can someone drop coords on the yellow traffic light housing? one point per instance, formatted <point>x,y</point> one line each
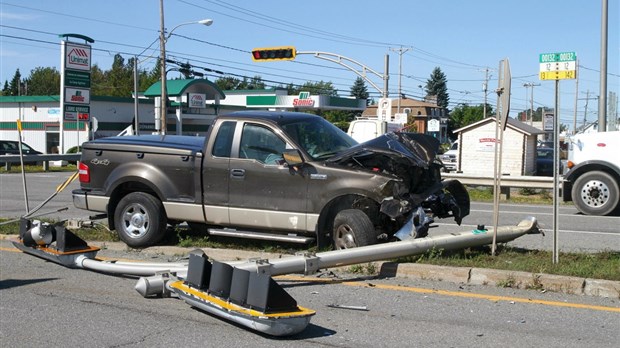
<point>273,53</point>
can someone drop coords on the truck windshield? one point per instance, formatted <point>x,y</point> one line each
<point>320,139</point>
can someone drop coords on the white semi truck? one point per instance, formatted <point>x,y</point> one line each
<point>592,180</point>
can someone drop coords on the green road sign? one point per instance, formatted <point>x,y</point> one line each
<point>75,78</point>
<point>558,57</point>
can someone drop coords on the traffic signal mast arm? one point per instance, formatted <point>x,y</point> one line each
<point>289,53</point>
<point>342,60</point>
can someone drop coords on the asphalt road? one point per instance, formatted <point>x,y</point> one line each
<point>576,232</point>
<point>44,304</point>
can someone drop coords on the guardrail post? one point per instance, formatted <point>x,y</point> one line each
<point>504,193</point>
<point>46,166</point>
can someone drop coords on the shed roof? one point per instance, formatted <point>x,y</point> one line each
<point>512,123</point>
<point>176,88</point>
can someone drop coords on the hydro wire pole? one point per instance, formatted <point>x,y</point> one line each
<point>400,52</point>
<point>163,38</point>
<point>161,125</point>
<point>135,98</point>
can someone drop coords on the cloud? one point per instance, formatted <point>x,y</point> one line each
<point>17,16</point>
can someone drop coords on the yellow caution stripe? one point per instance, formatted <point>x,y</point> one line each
<point>301,311</point>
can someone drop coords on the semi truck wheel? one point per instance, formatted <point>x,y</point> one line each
<point>595,193</point>
<point>352,228</point>
<point>140,220</point>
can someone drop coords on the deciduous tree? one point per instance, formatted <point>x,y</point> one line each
<point>43,81</point>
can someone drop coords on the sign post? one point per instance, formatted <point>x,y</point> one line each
<point>75,80</point>
<point>557,66</point>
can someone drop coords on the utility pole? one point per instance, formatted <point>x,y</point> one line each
<point>386,76</point>
<point>485,87</point>
<point>162,57</point>
<point>135,91</point>
<point>585,113</point>
<point>531,85</point>
<point>400,51</point>
<point>576,99</point>
<point>602,102</point>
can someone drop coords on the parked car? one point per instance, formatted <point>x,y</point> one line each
<point>544,161</point>
<point>11,147</point>
<point>545,144</point>
<point>450,158</point>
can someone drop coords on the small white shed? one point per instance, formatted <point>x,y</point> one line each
<point>477,148</point>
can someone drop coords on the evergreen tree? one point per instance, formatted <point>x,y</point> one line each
<point>119,78</point>
<point>359,89</point>
<point>15,84</point>
<point>98,84</point>
<point>436,85</point>
<point>5,89</point>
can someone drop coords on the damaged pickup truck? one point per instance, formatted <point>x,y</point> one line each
<point>282,176</point>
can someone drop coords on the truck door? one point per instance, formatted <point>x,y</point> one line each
<point>215,174</point>
<point>262,191</point>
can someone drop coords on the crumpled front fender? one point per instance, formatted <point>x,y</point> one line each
<point>461,204</point>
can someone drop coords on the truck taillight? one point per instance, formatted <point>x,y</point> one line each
<point>84,172</point>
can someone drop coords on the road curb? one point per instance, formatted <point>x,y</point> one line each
<point>504,278</point>
<point>459,275</point>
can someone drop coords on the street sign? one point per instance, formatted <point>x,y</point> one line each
<point>76,78</point>
<point>548,120</point>
<point>558,66</point>
<point>433,125</point>
<point>384,109</point>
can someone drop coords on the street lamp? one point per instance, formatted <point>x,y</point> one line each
<point>162,43</point>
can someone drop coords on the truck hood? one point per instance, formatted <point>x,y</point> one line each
<point>417,149</point>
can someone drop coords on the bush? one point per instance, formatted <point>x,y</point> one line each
<point>74,149</point>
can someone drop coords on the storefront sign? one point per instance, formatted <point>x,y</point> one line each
<point>304,100</point>
<point>196,100</point>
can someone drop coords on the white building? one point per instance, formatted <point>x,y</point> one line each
<point>43,127</point>
<point>477,148</point>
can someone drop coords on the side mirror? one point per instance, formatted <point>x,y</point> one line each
<point>293,158</point>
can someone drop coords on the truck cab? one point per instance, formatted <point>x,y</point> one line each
<point>592,178</point>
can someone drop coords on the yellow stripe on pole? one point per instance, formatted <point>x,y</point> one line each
<point>67,182</point>
<point>19,125</point>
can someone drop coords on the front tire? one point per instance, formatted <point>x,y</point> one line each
<point>352,228</point>
<point>140,220</point>
<point>595,193</point>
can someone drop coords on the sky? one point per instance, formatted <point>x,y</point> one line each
<point>465,39</point>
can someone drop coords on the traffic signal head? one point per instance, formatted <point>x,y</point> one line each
<point>273,53</point>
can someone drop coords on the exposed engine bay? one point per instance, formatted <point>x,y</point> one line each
<point>416,187</point>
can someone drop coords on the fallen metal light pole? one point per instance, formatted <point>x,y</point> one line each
<point>244,292</point>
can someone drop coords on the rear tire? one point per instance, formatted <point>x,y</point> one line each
<point>352,228</point>
<point>595,193</point>
<point>140,220</point>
